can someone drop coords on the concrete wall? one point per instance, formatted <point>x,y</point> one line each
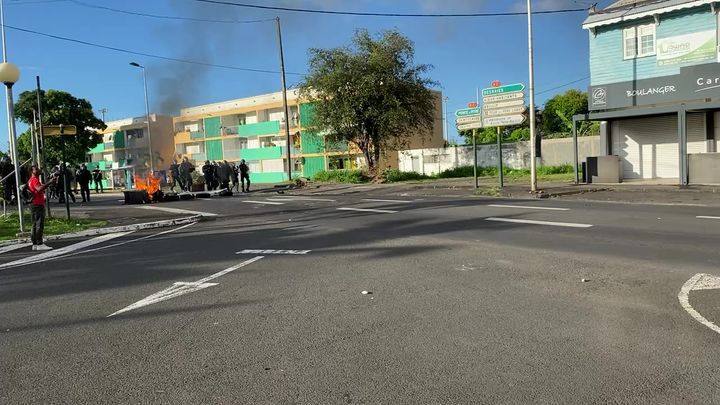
<point>704,168</point>
<point>515,155</point>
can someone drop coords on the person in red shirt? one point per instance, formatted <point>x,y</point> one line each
<point>37,208</point>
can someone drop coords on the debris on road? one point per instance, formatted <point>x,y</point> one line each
<point>366,292</point>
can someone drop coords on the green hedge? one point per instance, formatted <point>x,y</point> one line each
<point>341,176</point>
<point>467,171</point>
<point>395,175</point>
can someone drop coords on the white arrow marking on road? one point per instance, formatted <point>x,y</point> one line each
<point>368,210</point>
<point>272,252</point>
<point>42,257</point>
<point>182,288</point>
<point>178,210</point>
<point>699,281</point>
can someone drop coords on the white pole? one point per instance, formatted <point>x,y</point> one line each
<point>147,115</point>
<point>533,152</point>
<point>2,19</point>
<point>445,117</point>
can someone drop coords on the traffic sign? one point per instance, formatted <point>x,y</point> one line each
<point>468,118</point>
<point>55,130</point>
<point>504,97</point>
<point>509,88</point>
<point>472,125</point>
<point>506,111</point>
<point>503,120</point>
<point>503,104</point>
<point>467,111</point>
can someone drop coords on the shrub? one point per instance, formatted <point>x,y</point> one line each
<point>485,171</point>
<point>395,175</point>
<point>341,176</point>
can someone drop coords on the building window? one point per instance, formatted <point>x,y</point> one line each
<point>137,133</point>
<point>639,41</point>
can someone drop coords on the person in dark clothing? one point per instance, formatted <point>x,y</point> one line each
<point>224,175</point>
<point>186,168</point>
<point>175,173</point>
<point>83,178</point>
<point>235,177</point>
<point>97,178</point>
<point>209,175</point>
<point>64,183</point>
<point>8,178</point>
<point>244,176</point>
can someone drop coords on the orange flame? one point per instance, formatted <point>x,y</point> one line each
<point>151,184</point>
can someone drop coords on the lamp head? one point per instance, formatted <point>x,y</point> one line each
<point>135,64</point>
<point>9,73</point>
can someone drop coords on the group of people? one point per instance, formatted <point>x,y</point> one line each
<point>61,189</point>
<point>217,175</point>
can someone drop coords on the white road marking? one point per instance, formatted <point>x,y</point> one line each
<point>50,254</point>
<point>177,210</point>
<point>529,207</point>
<point>529,221</point>
<point>262,202</point>
<point>10,248</point>
<point>182,288</point>
<point>706,217</point>
<point>367,210</point>
<point>272,252</point>
<point>389,201</point>
<point>281,198</point>
<point>698,282</point>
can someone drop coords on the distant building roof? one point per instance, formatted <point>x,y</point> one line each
<point>627,10</point>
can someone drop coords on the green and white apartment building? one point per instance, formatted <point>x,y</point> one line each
<point>253,129</point>
<point>124,150</point>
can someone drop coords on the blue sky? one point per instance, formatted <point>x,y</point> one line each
<point>466,52</point>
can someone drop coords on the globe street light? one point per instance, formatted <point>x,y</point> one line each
<point>9,75</point>
<point>147,114</point>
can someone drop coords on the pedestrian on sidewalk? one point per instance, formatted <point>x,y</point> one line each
<point>244,175</point>
<point>37,207</point>
<point>97,178</point>
<point>83,178</point>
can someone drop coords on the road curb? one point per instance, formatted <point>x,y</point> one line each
<point>122,228</point>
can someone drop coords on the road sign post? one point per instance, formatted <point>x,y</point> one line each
<point>500,162</point>
<point>474,135</point>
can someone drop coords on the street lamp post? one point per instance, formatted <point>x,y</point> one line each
<point>147,115</point>
<point>9,75</point>
<point>445,116</point>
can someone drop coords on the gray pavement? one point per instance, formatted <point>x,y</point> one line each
<point>465,307</point>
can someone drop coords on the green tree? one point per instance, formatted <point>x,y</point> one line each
<point>60,107</point>
<point>559,110</point>
<point>370,93</point>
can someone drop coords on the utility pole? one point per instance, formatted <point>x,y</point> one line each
<point>445,117</point>
<point>41,141</point>
<point>284,96</point>
<point>531,82</point>
<point>103,111</point>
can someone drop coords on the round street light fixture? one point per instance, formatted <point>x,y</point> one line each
<point>9,73</point>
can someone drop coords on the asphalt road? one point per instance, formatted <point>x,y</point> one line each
<point>471,300</point>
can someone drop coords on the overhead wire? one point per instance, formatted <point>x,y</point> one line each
<point>371,14</point>
<point>149,55</point>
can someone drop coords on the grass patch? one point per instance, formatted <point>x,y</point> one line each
<point>467,171</point>
<point>341,176</point>
<point>9,225</point>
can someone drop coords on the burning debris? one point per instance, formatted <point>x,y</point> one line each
<point>147,190</point>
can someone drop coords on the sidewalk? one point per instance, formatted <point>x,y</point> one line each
<point>630,193</point>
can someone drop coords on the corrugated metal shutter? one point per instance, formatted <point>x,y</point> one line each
<point>313,165</point>
<point>648,147</point>
<point>214,150</point>
<point>697,142</point>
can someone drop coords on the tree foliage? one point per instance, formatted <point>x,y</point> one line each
<point>370,93</point>
<point>59,107</point>
<point>559,110</point>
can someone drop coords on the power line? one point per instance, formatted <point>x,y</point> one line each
<point>166,17</point>
<point>112,48</point>
<point>563,85</point>
<point>367,14</point>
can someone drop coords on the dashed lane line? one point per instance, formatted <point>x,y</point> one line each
<point>367,210</point>
<point>528,207</point>
<point>531,222</point>
<point>263,202</point>
<point>178,210</point>
<point>706,217</point>
<point>388,201</point>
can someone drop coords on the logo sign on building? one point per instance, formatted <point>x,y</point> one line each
<point>694,83</point>
<point>694,48</point>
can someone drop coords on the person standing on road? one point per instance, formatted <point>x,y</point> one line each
<point>65,191</point>
<point>37,208</point>
<point>83,179</point>
<point>8,179</point>
<point>244,175</point>
<point>209,174</point>
<point>186,168</point>
<point>97,178</point>
<point>224,175</point>
<point>235,177</point>
<point>175,173</point>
